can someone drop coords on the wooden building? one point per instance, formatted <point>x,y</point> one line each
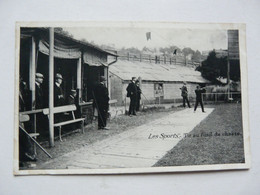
<point>159,82</point>
<point>42,50</point>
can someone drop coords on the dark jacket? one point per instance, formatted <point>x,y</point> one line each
<point>101,98</point>
<point>58,96</point>
<point>184,91</point>
<point>198,94</point>
<point>139,91</point>
<point>38,97</point>
<point>131,90</point>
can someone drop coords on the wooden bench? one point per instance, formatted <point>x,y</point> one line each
<point>24,118</point>
<point>65,109</point>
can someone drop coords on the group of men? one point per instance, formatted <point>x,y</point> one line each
<point>26,145</point>
<point>134,93</point>
<point>198,92</point>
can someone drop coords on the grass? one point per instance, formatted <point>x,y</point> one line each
<point>216,140</point>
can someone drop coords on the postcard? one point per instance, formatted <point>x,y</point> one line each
<point>130,97</point>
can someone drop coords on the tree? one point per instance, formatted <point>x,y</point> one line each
<point>213,67</point>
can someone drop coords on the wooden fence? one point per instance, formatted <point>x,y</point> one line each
<point>159,59</point>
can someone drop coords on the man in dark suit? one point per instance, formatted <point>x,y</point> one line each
<point>184,94</point>
<point>72,97</point>
<point>198,92</point>
<point>38,91</point>
<point>132,93</point>
<point>58,92</point>
<point>138,97</point>
<point>59,99</point>
<point>101,102</point>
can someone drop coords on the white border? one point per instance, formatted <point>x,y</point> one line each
<point>244,85</point>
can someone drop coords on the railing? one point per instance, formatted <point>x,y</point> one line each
<point>221,97</point>
<point>159,59</point>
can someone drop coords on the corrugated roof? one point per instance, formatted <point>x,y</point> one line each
<point>155,72</point>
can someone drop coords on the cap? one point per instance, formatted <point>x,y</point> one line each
<point>102,78</point>
<point>133,78</point>
<point>39,75</point>
<point>58,76</point>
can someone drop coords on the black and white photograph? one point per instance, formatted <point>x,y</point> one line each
<point>130,97</point>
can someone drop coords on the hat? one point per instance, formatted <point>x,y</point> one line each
<point>73,91</point>
<point>58,76</point>
<point>102,78</point>
<point>39,75</point>
<point>133,78</point>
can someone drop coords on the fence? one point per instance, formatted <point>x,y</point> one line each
<point>221,97</point>
<point>159,59</point>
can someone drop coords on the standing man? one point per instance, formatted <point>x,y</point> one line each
<point>58,92</point>
<point>184,94</point>
<point>139,91</point>
<point>198,92</point>
<point>132,93</point>
<point>101,100</point>
<point>38,91</point>
<point>72,97</point>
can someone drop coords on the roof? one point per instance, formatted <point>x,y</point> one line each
<point>155,72</point>
<point>64,38</point>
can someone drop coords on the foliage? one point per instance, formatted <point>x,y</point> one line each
<point>214,67</point>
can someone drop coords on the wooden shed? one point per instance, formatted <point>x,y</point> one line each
<point>159,82</point>
<point>42,50</point>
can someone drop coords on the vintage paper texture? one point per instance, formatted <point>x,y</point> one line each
<point>143,148</point>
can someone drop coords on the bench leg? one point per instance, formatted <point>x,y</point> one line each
<point>60,133</point>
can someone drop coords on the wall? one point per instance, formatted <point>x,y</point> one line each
<point>116,87</point>
<point>172,92</point>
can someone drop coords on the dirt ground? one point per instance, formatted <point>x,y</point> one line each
<point>76,140</point>
<point>216,140</point>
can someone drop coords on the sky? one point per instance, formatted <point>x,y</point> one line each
<point>119,37</point>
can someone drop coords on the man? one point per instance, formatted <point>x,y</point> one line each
<point>184,94</point>
<point>101,100</point>
<point>58,92</point>
<point>132,93</point>
<point>72,97</point>
<point>38,91</point>
<point>139,91</point>
<point>198,92</point>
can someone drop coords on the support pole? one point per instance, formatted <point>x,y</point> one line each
<point>79,68</point>
<point>51,86</point>
<point>32,70</point>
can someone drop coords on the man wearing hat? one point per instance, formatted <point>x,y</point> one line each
<point>101,100</point>
<point>38,91</point>
<point>72,97</point>
<point>58,92</point>
<point>132,93</point>
<point>184,94</point>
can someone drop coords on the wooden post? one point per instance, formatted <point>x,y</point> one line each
<point>51,85</point>
<point>79,68</point>
<point>128,56</point>
<point>140,57</point>
<point>32,70</point>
